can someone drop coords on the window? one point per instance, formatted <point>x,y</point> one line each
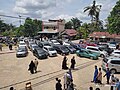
<point>117,52</point>
<point>115,62</point>
<point>93,49</point>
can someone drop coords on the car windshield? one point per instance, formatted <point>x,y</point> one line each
<point>63,48</point>
<point>70,47</point>
<point>46,44</point>
<point>41,51</point>
<point>51,49</point>
<point>21,49</point>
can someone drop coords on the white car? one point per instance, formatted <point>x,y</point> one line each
<point>22,43</point>
<point>97,50</point>
<point>65,43</point>
<point>55,42</point>
<point>116,53</point>
<point>51,51</point>
<point>113,63</point>
<point>112,46</point>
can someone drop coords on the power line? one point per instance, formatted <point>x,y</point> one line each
<point>19,17</point>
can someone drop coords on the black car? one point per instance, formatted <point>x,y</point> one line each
<point>61,49</point>
<point>40,53</point>
<point>71,49</point>
<point>42,44</point>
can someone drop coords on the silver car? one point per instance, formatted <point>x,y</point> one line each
<point>22,51</point>
<point>113,63</point>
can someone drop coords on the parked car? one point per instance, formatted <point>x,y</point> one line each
<point>51,51</point>
<point>71,49</point>
<point>22,43</point>
<point>61,49</point>
<point>55,42</point>
<point>40,53</point>
<point>29,43</point>
<point>113,63</point>
<point>33,46</point>
<point>101,52</point>
<point>116,53</point>
<point>22,51</point>
<point>87,54</point>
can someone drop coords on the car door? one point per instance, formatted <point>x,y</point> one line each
<point>86,54</point>
<point>115,64</point>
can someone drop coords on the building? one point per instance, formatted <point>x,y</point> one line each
<point>104,36</point>
<point>69,33</point>
<point>52,28</point>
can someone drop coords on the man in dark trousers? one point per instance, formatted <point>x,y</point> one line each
<point>58,84</point>
<point>73,63</point>
<point>31,67</point>
<point>108,74</point>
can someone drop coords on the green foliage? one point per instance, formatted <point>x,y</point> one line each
<point>114,19</point>
<point>31,27</point>
<point>68,25</point>
<point>73,23</point>
<point>93,11</point>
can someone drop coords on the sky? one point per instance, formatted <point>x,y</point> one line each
<point>52,9</point>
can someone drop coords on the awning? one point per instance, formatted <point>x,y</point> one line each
<point>51,32</point>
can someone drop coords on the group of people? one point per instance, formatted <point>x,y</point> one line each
<point>68,82</point>
<point>98,76</point>
<point>33,66</point>
<point>64,63</point>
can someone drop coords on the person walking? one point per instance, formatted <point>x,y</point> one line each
<point>108,74</point>
<point>58,85</point>
<point>71,85</point>
<point>90,88</point>
<point>95,74</point>
<point>64,63</point>
<point>0,47</point>
<point>31,67</point>
<point>67,79</point>
<point>73,63</point>
<point>36,64</point>
<point>99,77</point>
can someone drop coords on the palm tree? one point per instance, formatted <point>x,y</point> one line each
<point>94,11</point>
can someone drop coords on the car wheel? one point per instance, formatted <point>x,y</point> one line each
<point>91,58</point>
<point>102,56</point>
<point>113,71</point>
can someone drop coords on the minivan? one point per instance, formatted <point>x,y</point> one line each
<point>112,62</point>
<point>97,50</point>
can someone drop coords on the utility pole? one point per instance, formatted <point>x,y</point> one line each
<point>20,19</point>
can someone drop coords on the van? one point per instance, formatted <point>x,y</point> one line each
<point>112,62</point>
<point>101,52</point>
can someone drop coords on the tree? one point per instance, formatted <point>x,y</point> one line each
<point>114,19</point>
<point>93,11</point>
<point>74,23</point>
<point>31,27</point>
<point>68,25</point>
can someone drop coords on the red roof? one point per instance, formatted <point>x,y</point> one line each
<point>104,34</point>
<point>71,32</point>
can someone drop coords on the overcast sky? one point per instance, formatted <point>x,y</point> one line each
<point>52,9</point>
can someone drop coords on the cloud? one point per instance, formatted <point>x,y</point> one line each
<point>64,16</point>
<point>34,8</point>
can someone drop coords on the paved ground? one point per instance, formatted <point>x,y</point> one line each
<point>14,72</point>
